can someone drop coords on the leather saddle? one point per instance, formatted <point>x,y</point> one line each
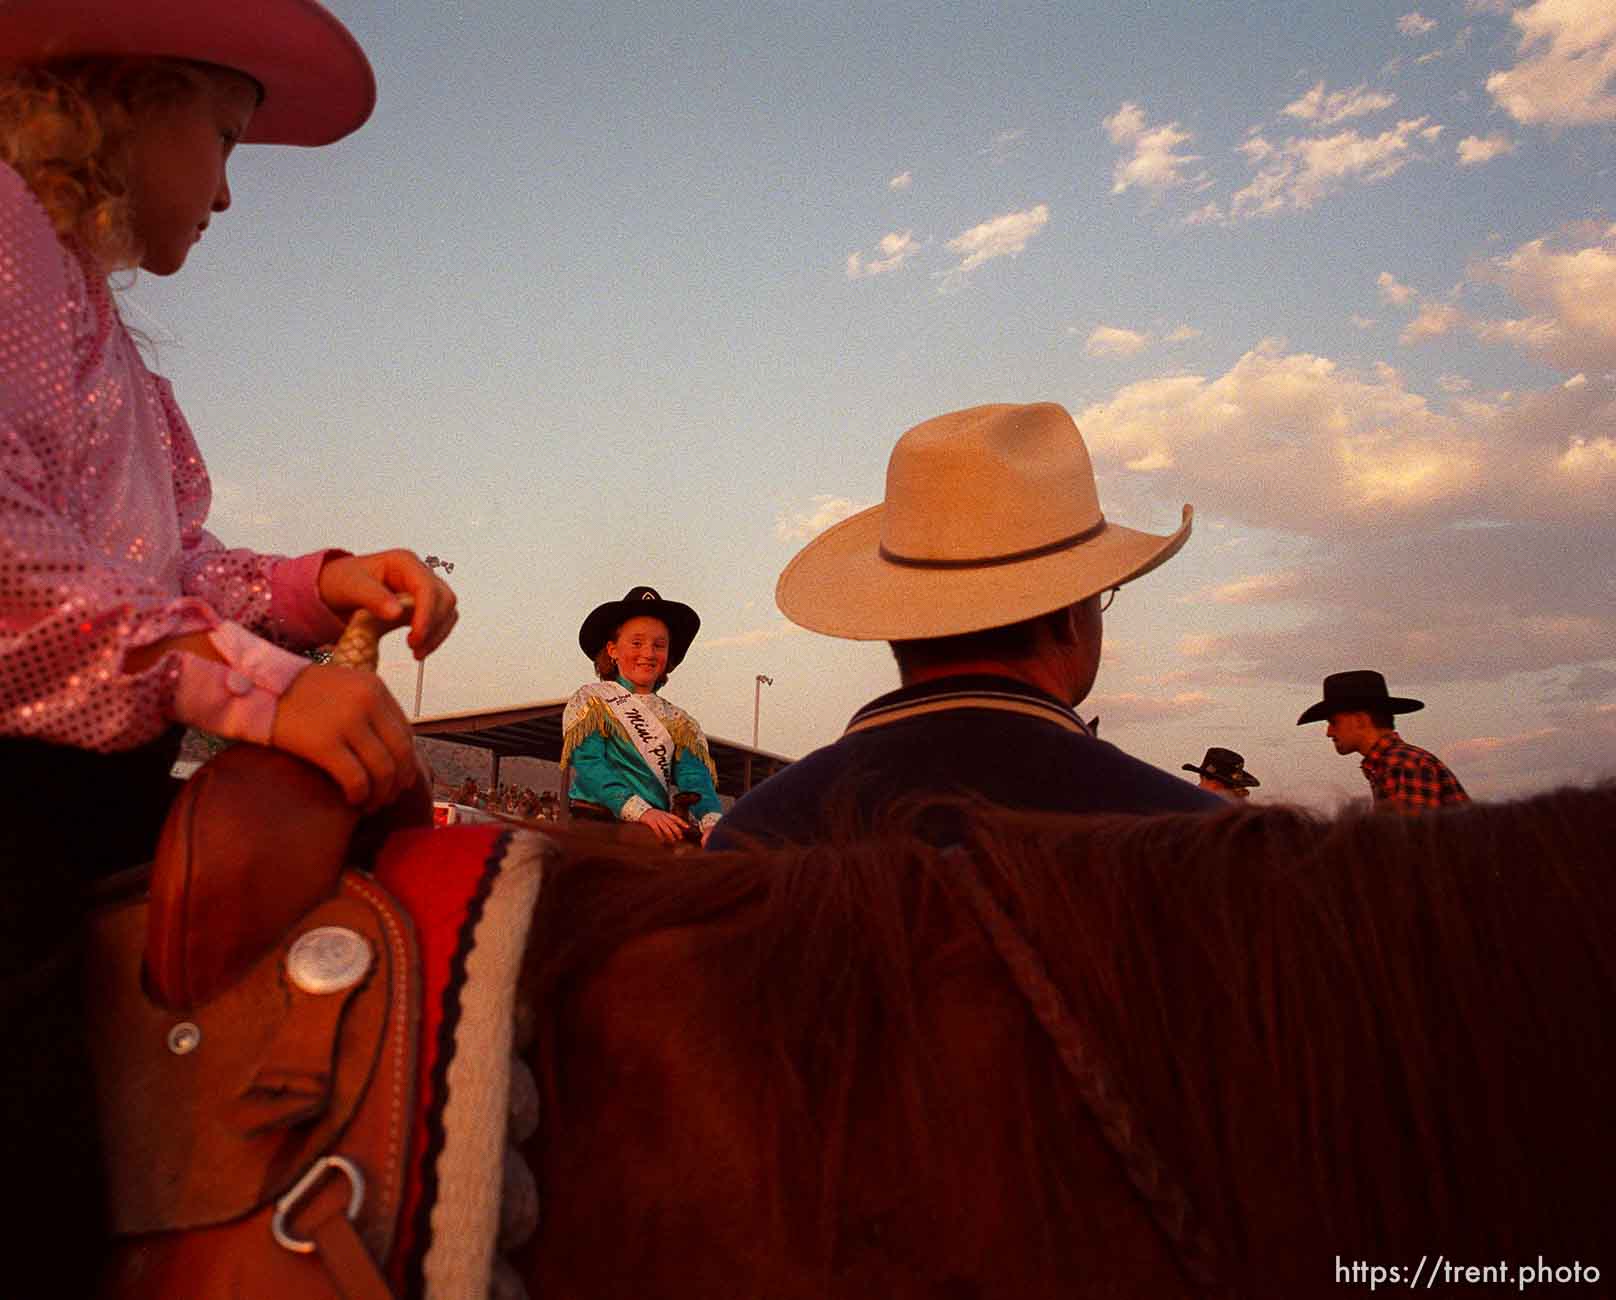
<point>253,1007</point>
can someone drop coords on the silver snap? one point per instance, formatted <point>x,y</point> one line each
<point>328,959</point>
<point>184,1038</point>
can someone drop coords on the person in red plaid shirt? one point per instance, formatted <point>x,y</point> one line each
<point>1403,777</point>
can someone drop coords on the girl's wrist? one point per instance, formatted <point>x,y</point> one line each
<point>237,698</point>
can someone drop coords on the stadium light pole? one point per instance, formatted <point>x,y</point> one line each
<point>431,562</point>
<point>757,705</point>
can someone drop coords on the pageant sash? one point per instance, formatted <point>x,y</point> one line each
<point>644,728</point>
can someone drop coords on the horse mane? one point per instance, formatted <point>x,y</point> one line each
<point>1369,1034</point>
<point>1350,1037</point>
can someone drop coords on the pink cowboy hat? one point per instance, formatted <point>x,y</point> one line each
<point>317,84</point>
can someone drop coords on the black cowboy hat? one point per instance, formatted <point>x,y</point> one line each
<point>1225,766</point>
<point>1359,691</point>
<point>641,602</point>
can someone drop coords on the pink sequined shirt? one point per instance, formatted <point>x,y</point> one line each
<point>102,550</point>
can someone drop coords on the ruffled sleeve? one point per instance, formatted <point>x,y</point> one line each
<point>587,726</point>
<point>693,768</point>
<point>102,499</point>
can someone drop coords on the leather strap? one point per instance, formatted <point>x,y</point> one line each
<point>342,1254</point>
<point>292,1085</point>
<point>1155,1181</point>
<point>312,1222</point>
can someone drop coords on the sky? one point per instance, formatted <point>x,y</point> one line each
<point>608,294</point>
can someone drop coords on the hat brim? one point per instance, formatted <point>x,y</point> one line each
<point>1324,709</point>
<point>1242,779</point>
<point>682,622</point>
<point>841,585</point>
<point>318,85</point>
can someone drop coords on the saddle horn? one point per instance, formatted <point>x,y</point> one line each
<point>255,840</point>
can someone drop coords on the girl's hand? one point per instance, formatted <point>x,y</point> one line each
<point>351,582</point>
<point>669,829</point>
<point>350,726</point>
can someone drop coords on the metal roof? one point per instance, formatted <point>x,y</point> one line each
<point>534,731</point>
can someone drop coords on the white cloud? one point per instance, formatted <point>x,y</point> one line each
<point>1486,603</point>
<point>1303,170</point>
<point>1475,150</point>
<point>1324,109</point>
<point>1367,450</point>
<point>1570,294</point>
<point>895,249</point>
<point>1115,341</point>
<point>754,636</point>
<point>800,525</point>
<point>1006,235</point>
<point>1532,334</point>
<point>1590,457</point>
<point>1566,75</point>
<point>1363,322</point>
<point>1415,24</point>
<point>1298,443</point>
<point>1569,291</point>
<point>1129,706</point>
<point>902,181</point>
<point>1183,334</point>
<point>1478,745</point>
<point>1259,588</point>
<point>1392,290</point>
<point>1155,164</point>
<point>1434,320</point>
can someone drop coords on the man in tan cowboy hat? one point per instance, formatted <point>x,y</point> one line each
<point>986,568</point>
<point>1223,772</point>
<point>1403,777</point>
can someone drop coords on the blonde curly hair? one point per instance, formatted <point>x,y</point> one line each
<point>66,127</point>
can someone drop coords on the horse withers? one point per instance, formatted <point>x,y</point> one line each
<point>1192,1055</point>
<point>1110,1056</point>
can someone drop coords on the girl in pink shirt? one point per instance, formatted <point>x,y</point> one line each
<point>122,618</point>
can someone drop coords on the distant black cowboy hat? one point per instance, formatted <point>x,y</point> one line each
<point>1225,767</point>
<point>1359,691</point>
<point>641,602</point>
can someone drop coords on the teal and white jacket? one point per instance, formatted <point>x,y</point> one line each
<point>606,767</point>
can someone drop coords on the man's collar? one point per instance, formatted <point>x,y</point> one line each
<point>968,690</point>
<point>1377,752</point>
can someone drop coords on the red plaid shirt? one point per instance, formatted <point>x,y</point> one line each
<point>1406,778</point>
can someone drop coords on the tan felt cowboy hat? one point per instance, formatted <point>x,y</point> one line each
<point>317,84</point>
<point>991,517</point>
